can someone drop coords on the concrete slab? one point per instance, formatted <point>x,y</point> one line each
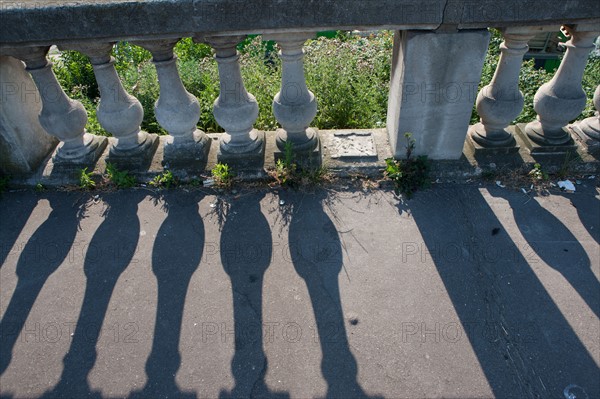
<point>464,291</point>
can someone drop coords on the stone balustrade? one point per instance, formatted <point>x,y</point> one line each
<point>439,45</point>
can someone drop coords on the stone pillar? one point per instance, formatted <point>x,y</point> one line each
<point>24,144</point>
<point>119,113</point>
<point>590,128</point>
<point>177,111</point>
<point>500,102</point>
<point>61,116</point>
<point>294,106</point>
<point>562,99</point>
<point>435,77</point>
<point>235,109</point>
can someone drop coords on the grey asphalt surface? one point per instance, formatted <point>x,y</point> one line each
<point>463,291</point>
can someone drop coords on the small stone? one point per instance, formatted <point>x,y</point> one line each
<point>213,205</point>
<point>281,202</point>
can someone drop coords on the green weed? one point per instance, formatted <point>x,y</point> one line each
<point>223,175</point>
<point>85,180</point>
<point>120,178</point>
<point>165,179</point>
<point>410,174</point>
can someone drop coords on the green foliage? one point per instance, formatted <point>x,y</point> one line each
<point>165,179</point>
<point>85,180</point>
<point>223,175</point>
<point>120,178</point>
<point>350,78</point>
<point>537,173</point>
<point>410,174</point>
<point>288,173</point>
<point>39,187</point>
<point>187,50</point>
<point>285,168</point>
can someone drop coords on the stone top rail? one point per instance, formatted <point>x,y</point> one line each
<point>46,22</point>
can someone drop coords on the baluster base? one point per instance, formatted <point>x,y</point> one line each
<point>303,142</point>
<point>306,157</point>
<point>87,155</point>
<point>249,162</point>
<point>134,157</point>
<point>496,141</point>
<point>536,132</point>
<point>588,132</point>
<point>535,147</point>
<point>590,127</point>
<point>188,152</point>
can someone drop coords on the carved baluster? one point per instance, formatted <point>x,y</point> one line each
<point>562,99</point>
<point>294,106</point>
<point>119,113</point>
<point>500,102</point>
<point>177,110</point>
<point>235,109</point>
<point>61,116</point>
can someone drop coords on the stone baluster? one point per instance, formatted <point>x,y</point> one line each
<point>562,99</point>
<point>61,116</point>
<point>500,102</point>
<point>294,106</point>
<point>590,127</point>
<point>177,110</point>
<point>235,109</point>
<point>119,113</point>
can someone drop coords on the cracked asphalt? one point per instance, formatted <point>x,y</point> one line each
<point>464,291</point>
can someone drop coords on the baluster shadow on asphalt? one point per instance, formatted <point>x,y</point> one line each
<point>246,252</point>
<point>13,223</point>
<point>176,255</point>
<point>556,246</point>
<point>524,344</point>
<point>44,252</point>
<point>110,252</point>
<point>316,253</point>
<point>589,213</point>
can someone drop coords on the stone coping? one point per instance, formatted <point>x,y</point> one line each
<point>46,22</point>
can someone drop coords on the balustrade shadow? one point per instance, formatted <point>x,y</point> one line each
<point>110,251</point>
<point>554,244</point>
<point>587,203</point>
<point>316,253</point>
<point>14,216</point>
<point>176,255</point>
<point>246,252</point>
<point>44,252</point>
<point>524,344</point>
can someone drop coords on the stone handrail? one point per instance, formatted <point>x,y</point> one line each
<point>45,22</point>
<point>440,46</point>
